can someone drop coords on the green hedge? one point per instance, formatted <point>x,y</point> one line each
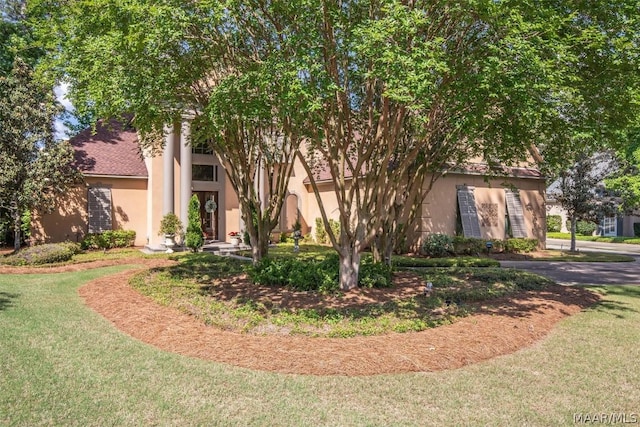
<point>554,223</point>
<point>440,245</point>
<point>109,239</point>
<point>43,254</point>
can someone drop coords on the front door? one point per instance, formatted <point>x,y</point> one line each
<point>209,208</point>
<point>609,226</point>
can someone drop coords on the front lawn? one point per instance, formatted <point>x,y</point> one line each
<point>63,364</point>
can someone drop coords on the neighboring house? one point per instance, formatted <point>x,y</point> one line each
<point>609,226</point>
<point>128,189</point>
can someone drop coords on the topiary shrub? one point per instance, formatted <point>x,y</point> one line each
<point>554,223</point>
<point>193,239</point>
<point>438,245</point>
<point>43,254</point>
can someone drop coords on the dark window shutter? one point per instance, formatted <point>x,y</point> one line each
<point>99,209</point>
<point>516,214</point>
<point>468,212</point>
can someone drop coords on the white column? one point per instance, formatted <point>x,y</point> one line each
<point>185,171</point>
<point>167,175</point>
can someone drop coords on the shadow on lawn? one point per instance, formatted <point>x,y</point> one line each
<point>617,308</point>
<point>6,300</point>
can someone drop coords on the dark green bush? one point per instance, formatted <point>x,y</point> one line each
<point>636,229</point>
<point>315,275</point>
<point>194,239</point>
<point>519,245</point>
<point>43,254</point>
<point>586,228</point>
<point>554,223</point>
<point>438,245</point>
<point>468,245</point>
<point>109,239</point>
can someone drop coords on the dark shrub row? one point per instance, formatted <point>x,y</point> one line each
<point>109,239</point>
<point>441,245</point>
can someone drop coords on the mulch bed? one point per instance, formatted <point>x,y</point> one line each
<point>506,326</point>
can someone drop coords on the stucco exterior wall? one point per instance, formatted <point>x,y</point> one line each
<point>439,210</point>
<point>69,220</point>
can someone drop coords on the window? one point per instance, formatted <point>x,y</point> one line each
<point>204,173</point>
<point>201,149</point>
<point>99,209</point>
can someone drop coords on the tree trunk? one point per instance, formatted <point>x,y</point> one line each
<point>573,234</point>
<point>17,228</point>
<point>349,269</point>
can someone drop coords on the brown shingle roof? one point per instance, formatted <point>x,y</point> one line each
<point>112,150</point>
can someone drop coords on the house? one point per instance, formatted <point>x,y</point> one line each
<point>126,188</point>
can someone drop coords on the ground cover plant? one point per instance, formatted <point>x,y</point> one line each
<point>216,291</point>
<point>51,255</point>
<point>63,364</point>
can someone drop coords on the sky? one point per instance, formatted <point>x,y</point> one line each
<point>61,94</point>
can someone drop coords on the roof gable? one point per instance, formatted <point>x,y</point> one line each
<point>112,150</point>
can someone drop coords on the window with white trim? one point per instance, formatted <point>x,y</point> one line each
<point>99,209</point>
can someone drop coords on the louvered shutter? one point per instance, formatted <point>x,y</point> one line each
<point>468,212</point>
<point>516,214</point>
<point>99,209</point>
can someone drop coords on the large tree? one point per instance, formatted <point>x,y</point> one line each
<point>161,61</point>
<point>579,189</point>
<point>35,168</point>
<point>410,88</point>
<point>382,93</point>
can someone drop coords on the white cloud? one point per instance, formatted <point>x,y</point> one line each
<point>61,95</point>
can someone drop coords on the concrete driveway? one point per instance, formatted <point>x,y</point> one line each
<point>586,273</point>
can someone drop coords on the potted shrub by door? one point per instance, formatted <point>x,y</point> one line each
<point>235,238</point>
<point>171,228</point>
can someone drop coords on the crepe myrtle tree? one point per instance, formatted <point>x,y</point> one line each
<point>410,89</point>
<point>209,60</point>
<point>379,94</point>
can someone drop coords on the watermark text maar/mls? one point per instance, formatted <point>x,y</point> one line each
<point>606,418</point>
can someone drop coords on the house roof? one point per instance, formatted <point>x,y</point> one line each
<point>323,174</point>
<point>111,150</point>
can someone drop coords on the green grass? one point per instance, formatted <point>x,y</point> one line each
<point>559,256</point>
<point>63,364</point>
<point>617,239</point>
<point>191,287</point>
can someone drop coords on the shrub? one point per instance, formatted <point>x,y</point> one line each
<point>315,275</point>
<point>193,239</point>
<point>586,228</point>
<point>284,237</point>
<point>44,254</point>
<point>468,245</point>
<point>554,223</point>
<point>321,233</point>
<point>109,239</point>
<point>636,229</point>
<point>519,245</point>
<point>438,245</point>
<point>374,274</point>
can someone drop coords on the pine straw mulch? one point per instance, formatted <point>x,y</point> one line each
<point>508,325</point>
